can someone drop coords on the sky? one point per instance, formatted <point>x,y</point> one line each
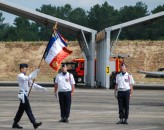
<point>85,4</point>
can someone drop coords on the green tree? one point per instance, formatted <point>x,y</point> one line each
<point>9,34</point>
<point>101,16</point>
<point>78,16</point>
<point>3,27</point>
<point>48,9</point>
<point>22,31</point>
<point>98,18</point>
<point>156,30</point>
<point>44,30</point>
<point>128,13</point>
<point>63,12</point>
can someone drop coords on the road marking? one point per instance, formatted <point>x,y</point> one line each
<point>148,128</point>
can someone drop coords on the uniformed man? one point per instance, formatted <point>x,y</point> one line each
<point>25,82</point>
<point>123,92</point>
<point>64,84</point>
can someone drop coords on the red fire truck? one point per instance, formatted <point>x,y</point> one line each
<point>76,67</point>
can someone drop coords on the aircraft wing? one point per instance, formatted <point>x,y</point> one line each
<point>158,74</point>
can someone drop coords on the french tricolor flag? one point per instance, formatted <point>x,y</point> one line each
<point>56,51</point>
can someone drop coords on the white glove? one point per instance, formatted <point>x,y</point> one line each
<point>34,74</point>
<point>44,89</point>
<point>36,86</point>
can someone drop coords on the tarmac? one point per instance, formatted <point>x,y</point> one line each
<point>92,109</point>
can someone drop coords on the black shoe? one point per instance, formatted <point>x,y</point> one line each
<point>37,124</point>
<point>66,120</point>
<point>125,122</point>
<point>15,125</point>
<point>62,120</point>
<point>120,121</point>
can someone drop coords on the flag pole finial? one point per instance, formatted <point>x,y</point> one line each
<point>55,27</point>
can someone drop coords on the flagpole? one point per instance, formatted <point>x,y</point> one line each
<point>53,31</point>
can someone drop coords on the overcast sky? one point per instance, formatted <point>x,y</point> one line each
<point>85,4</point>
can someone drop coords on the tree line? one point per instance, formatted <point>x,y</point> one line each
<point>97,18</point>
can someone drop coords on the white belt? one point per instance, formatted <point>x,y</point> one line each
<point>21,95</point>
<point>122,89</point>
<point>24,91</point>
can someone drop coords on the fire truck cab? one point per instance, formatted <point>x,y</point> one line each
<point>79,70</point>
<point>76,67</point>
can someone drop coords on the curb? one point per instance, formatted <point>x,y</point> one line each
<point>49,84</point>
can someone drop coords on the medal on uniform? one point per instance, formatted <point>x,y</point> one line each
<point>126,80</point>
<point>66,79</point>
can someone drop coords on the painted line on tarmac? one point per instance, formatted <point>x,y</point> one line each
<point>147,128</point>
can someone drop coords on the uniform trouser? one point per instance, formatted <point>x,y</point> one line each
<point>24,107</point>
<point>123,103</point>
<point>65,103</point>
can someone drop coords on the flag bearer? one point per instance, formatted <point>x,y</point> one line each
<point>64,83</point>
<point>25,82</point>
<point>123,92</point>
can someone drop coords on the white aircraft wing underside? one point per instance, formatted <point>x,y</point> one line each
<point>151,73</point>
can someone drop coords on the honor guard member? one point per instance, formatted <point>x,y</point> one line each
<point>64,84</point>
<point>123,92</point>
<point>25,83</point>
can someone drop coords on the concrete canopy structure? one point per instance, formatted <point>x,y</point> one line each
<point>85,36</point>
<point>104,47</point>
